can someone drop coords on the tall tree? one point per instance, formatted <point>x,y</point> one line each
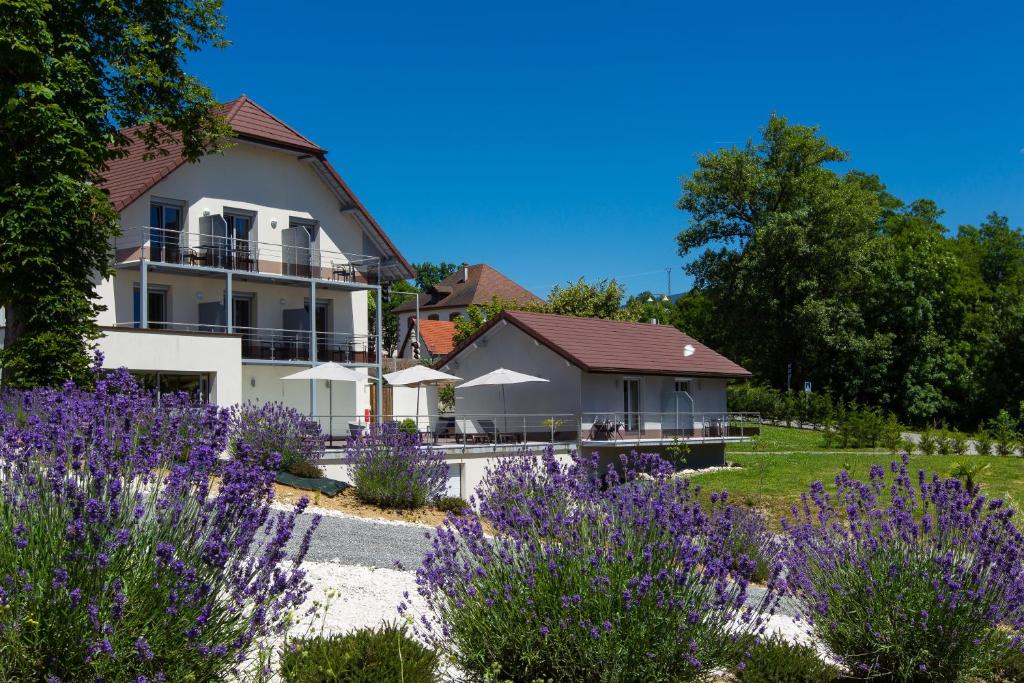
<point>74,73</point>
<point>783,239</point>
<point>429,274</point>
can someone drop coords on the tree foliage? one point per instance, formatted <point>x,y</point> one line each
<point>428,274</point>
<point>74,74</point>
<point>808,272</point>
<point>602,299</point>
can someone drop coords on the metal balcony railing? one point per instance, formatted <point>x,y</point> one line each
<point>271,344</point>
<point>208,251</point>
<point>511,431</point>
<point>641,426</point>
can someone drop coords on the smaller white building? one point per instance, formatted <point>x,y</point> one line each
<point>612,386</point>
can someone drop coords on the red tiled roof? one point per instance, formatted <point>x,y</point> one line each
<point>597,345</point>
<point>438,336</point>
<point>483,284</point>
<point>129,177</point>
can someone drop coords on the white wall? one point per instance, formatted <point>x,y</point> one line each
<point>507,346</point>
<point>273,183</point>
<point>151,350</point>
<point>263,384</point>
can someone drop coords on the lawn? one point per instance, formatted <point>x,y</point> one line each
<point>786,439</point>
<point>773,481</point>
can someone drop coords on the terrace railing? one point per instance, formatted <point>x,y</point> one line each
<point>210,251</point>
<point>270,344</point>
<point>645,426</point>
<point>510,431</point>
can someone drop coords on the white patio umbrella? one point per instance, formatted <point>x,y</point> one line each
<point>501,377</point>
<point>328,371</point>
<point>418,376</point>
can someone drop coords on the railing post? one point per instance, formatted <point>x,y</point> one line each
<point>378,346</point>
<point>144,293</point>
<point>229,304</point>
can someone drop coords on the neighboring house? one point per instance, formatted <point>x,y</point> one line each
<point>609,380</point>
<point>242,268</point>
<point>451,297</point>
<point>436,339</point>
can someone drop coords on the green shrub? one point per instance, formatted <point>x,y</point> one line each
<point>983,442</point>
<point>958,442</point>
<point>891,437</point>
<point>1007,665</point>
<point>408,426</point>
<point>909,446</point>
<point>452,504</point>
<point>775,659</point>
<point>369,655</point>
<point>929,443</point>
<point>1004,432</point>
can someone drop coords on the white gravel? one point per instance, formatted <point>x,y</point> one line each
<point>354,596</point>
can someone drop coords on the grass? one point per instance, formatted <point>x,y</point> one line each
<point>787,439</point>
<point>773,480</point>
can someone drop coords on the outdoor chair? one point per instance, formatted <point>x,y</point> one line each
<point>491,433</point>
<point>444,429</point>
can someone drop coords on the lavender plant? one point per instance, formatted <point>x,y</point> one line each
<point>619,578</point>
<point>394,469</point>
<point>922,588</point>
<point>118,559</point>
<point>274,428</point>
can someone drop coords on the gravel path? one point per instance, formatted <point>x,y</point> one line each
<point>348,540</point>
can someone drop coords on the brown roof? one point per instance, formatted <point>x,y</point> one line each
<point>129,177</point>
<point>598,345</point>
<point>483,284</point>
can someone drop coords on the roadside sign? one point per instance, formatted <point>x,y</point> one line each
<point>807,387</point>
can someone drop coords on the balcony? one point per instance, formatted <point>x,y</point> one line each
<point>273,346</point>
<point>179,249</point>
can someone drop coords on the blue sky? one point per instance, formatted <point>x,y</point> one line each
<point>548,139</point>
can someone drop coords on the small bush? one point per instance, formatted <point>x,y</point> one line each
<point>929,443</point>
<point>452,504</point>
<point>776,660</point>
<point>369,655</point>
<point>393,469</point>
<point>891,437</point>
<point>944,442</point>
<point>1004,433</point>
<point>983,442</point>
<point>888,585</point>
<point>750,538</point>
<point>275,430</point>
<point>408,426</point>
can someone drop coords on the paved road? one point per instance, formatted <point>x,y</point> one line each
<point>375,544</point>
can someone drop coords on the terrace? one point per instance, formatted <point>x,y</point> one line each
<point>506,432</point>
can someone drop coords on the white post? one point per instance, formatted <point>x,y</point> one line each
<point>379,347</point>
<point>229,304</point>
<point>312,344</point>
<point>143,293</point>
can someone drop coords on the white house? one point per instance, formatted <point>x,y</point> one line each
<point>244,267</point>
<point>612,385</point>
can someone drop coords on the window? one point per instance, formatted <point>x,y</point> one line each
<point>165,231</point>
<point>433,316</point>
<point>454,316</point>
<point>682,386</point>
<point>196,385</point>
<point>157,308</point>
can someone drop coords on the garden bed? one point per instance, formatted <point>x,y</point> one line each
<point>346,502</point>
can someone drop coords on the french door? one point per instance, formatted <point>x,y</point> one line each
<point>631,404</point>
<point>164,233</point>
